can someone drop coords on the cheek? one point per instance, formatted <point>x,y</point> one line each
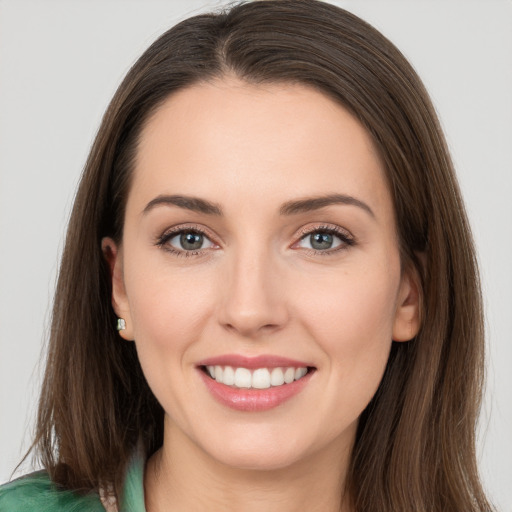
<point>352,322</point>
<point>358,304</point>
<point>166,304</point>
<point>169,312</point>
<point>169,309</point>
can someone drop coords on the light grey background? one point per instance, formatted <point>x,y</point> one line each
<point>60,62</point>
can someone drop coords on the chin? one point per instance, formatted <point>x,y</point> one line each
<point>258,460</point>
<point>261,450</point>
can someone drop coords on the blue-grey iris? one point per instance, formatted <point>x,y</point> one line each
<point>191,241</point>
<point>321,241</point>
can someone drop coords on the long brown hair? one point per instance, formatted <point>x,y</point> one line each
<point>415,445</point>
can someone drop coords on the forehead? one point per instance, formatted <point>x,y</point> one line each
<point>243,140</point>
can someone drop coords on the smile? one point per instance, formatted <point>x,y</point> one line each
<point>259,378</point>
<point>252,384</point>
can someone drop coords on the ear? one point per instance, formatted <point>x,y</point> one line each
<point>113,254</point>
<point>408,310</point>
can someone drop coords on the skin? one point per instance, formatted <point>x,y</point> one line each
<point>256,287</point>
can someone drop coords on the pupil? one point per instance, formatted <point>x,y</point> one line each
<point>191,241</point>
<point>321,241</point>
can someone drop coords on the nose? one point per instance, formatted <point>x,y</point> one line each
<point>253,301</point>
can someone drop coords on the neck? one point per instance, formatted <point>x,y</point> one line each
<point>182,477</point>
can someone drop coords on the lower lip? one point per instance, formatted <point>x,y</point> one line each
<point>254,400</point>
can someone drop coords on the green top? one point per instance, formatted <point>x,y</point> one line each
<point>37,493</point>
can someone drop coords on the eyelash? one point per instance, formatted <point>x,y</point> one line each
<point>346,239</point>
<point>162,240</point>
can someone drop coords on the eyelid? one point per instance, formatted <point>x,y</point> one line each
<point>347,239</point>
<point>169,233</point>
<point>333,228</point>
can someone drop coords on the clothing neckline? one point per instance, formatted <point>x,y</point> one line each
<point>132,497</point>
<point>133,490</point>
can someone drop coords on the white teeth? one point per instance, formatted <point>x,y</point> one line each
<point>229,376</point>
<point>260,378</point>
<point>242,378</point>
<point>289,375</point>
<point>277,377</point>
<point>300,372</point>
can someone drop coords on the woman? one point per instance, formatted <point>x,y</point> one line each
<point>270,218</point>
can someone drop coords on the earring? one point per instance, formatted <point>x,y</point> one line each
<point>121,324</point>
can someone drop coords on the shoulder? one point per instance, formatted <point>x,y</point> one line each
<point>36,492</point>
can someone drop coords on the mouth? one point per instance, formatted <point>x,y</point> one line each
<point>252,384</point>
<point>258,378</point>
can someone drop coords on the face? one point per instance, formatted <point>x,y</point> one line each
<point>259,271</point>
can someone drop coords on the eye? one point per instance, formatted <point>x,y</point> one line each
<point>325,240</point>
<point>185,241</point>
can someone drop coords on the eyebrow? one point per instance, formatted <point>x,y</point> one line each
<point>316,203</point>
<point>295,207</point>
<point>189,203</point>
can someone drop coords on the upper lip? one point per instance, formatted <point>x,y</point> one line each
<point>261,361</point>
